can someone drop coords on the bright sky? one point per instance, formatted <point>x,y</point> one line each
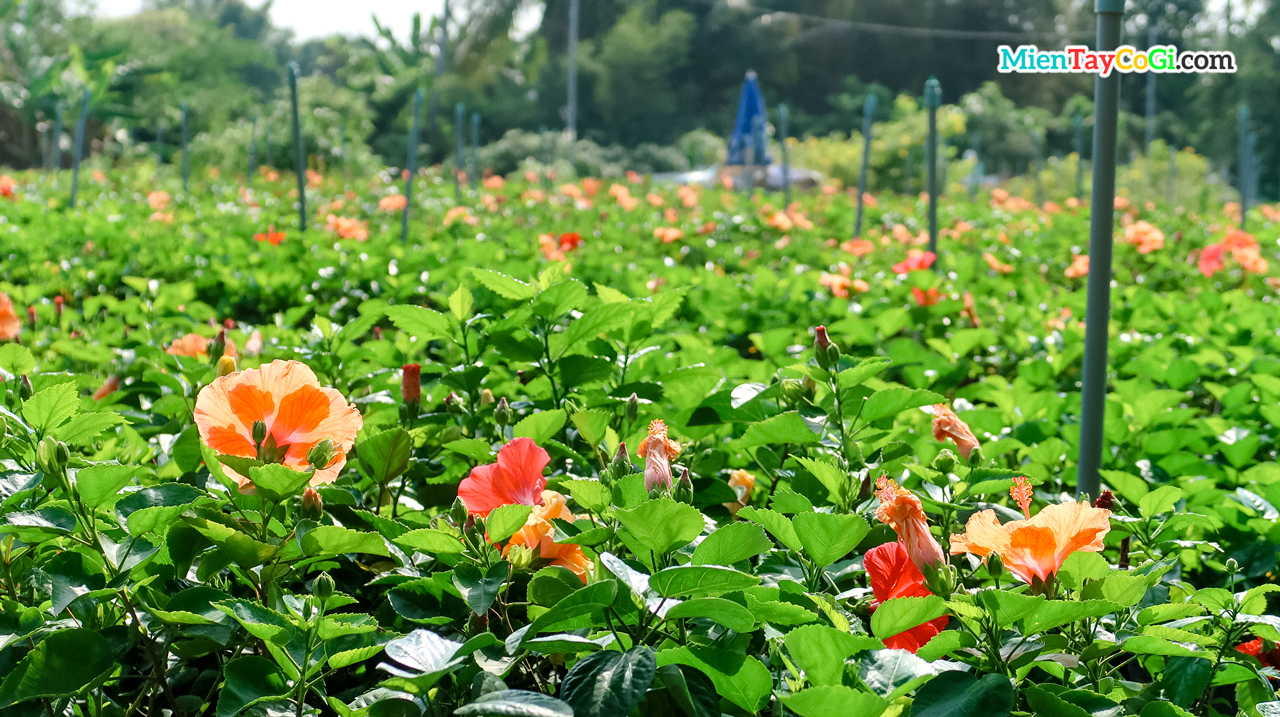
<point>317,18</point>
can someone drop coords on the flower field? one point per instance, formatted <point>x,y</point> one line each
<point>621,448</point>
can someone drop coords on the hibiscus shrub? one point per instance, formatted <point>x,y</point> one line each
<point>641,451</point>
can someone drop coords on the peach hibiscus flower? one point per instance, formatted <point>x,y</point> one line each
<point>1144,236</point>
<point>917,260</point>
<point>657,451</point>
<point>743,483</point>
<point>901,510</point>
<point>668,234</point>
<point>996,265</point>
<point>393,203</point>
<point>1079,267</point>
<point>297,411</point>
<point>197,346</point>
<point>1034,549</point>
<point>10,324</point>
<point>1210,261</point>
<point>158,200</point>
<point>946,424</point>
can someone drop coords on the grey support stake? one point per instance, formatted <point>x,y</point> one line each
<point>186,151</point>
<point>77,150</point>
<point>459,162</point>
<point>571,110</point>
<point>868,117</point>
<point>411,162</point>
<point>784,115</point>
<point>1077,126</point>
<point>1106,106</point>
<point>475,150</point>
<point>253,149</point>
<point>932,100</point>
<point>57,138</point>
<point>1242,174</point>
<point>1151,97</point>
<point>299,154</point>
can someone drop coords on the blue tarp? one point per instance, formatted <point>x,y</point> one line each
<point>750,107</point>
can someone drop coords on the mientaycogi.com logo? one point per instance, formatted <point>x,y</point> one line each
<point>1125,59</point>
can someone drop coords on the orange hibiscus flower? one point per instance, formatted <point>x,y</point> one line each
<point>271,236</point>
<point>1210,261</point>
<point>538,531</point>
<point>297,411</point>
<point>902,510</point>
<point>996,265</point>
<point>393,203</point>
<point>10,324</point>
<point>1034,549</point>
<point>657,451</point>
<point>917,260</point>
<point>926,298</point>
<point>743,483</point>
<point>1079,267</point>
<point>197,346</point>
<point>946,424</point>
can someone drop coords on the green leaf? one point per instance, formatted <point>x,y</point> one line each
<point>827,537</point>
<point>1124,589</point>
<point>1150,645</point>
<point>515,703</point>
<point>64,664</point>
<point>901,614</point>
<point>945,643</point>
<point>1009,607</point>
<point>892,401</point>
<point>385,456</point>
<point>1184,678</point>
<point>692,691</point>
<point>540,426</point>
<point>261,622</point>
<point>590,494</point>
<point>337,540</point>
<point>832,478</point>
<point>741,679</point>
<point>420,321</point>
<point>1130,487</point>
<point>84,427</point>
<point>431,542</point>
<point>505,286</point>
<point>592,425</point>
<point>1160,500</point>
<point>1049,704</point>
<point>834,700</point>
<point>249,680</point>
<point>99,483</point>
<point>152,508</point>
<point>39,525</point>
<point>959,694</point>
<point>276,482</point>
<point>504,521</point>
<point>609,683</point>
<point>778,525</point>
<point>730,544</point>
<point>16,359</point>
<point>722,611</point>
<point>593,598</point>
<point>461,303</point>
<point>893,673</point>
<point>559,298</point>
<point>699,581</point>
<point>1056,613</point>
<point>474,448</point>
<point>662,525</point>
<point>821,651</point>
<point>50,407</point>
<point>786,427</point>
<point>865,369</point>
<point>1168,709</point>
<point>550,584</point>
<point>481,589</point>
<point>595,321</point>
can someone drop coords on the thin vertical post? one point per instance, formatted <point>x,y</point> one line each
<point>77,150</point>
<point>1077,126</point>
<point>253,148</point>
<point>752,155</point>
<point>410,163</point>
<point>1252,184</point>
<point>268,156</point>
<point>459,115</point>
<point>1173,176</point>
<point>932,100</point>
<point>1037,141</point>
<point>1151,95</point>
<point>1106,103</point>
<point>159,145</point>
<point>784,115</point>
<point>299,155</point>
<point>1242,174</point>
<point>548,156</point>
<point>975,175</point>
<point>44,147</point>
<point>342,148</point>
<point>868,117</point>
<point>442,65</point>
<point>571,111</point>
<point>186,151</point>
<point>57,138</point>
<point>907,169</point>
<point>475,150</point>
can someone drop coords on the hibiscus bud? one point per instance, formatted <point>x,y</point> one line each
<point>411,384</point>
<point>218,346</point>
<point>259,432</point>
<point>1232,566</point>
<point>321,454</point>
<point>486,397</point>
<point>820,339</point>
<point>226,365</point>
<point>63,454</point>
<point>684,488</point>
<point>47,457</point>
<point>323,587</point>
<point>792,390</point>
<point>520,557</point>
<point>312,504</point>
<point>940,579</point>
<point>863,606</point>
<point>502,412</point>
<point>620,467</point>
<point>24,388</point>
<point>633,407</point>
<point>975,457</point>
<point>995,565</point>
<point>458,511</point>
<point>945,461</point>
<point>1105,501</point>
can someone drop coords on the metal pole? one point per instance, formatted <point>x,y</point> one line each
<point>932,100</point>
<point>253,149</point>
<point>1038,142</point>
<point>77,151</point>
<point>868,117</point>
<point>906,173</point>
<point>186,153</point>
<point>411,163</point>
<point>1151,95</point>
<point>1077,126</point>
<point>548,156</point>
<point>459,114</point>
<point>1242,173</point>
<point>475,149</point>
<point>784,115</point>
<point>57,138</point>
<point>1253,168</point>
<point>571,111</point>
<point>44,148</point>
<point>299,155</point>
<point>159,145</point>
<point>442,65</point>
<point>1106,103</point>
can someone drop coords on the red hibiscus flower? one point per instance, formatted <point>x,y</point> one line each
<point>893,575</point>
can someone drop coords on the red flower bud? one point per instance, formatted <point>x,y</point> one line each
<point>411,384</point>
<point>312,505</point>
<point>820,338</point>
<point>57,306</point>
